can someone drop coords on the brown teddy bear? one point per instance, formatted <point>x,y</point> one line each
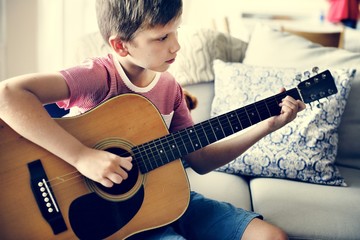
<point>191,100</point>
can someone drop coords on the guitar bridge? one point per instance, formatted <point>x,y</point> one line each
<point>45,198</point>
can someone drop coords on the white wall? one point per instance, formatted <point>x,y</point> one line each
<point>214,9</point>
<point>20,40</point>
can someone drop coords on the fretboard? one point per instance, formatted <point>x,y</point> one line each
<point>161,151</point>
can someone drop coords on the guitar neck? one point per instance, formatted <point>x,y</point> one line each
<point>161,151</point>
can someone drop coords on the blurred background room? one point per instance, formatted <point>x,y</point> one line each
<point>41,35</point>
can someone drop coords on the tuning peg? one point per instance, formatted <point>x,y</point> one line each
<point>298,77</point>
<point>320,104</point>
<point>330,91</point>
<point>315,70</point>
<point>310,106</point>
<point>307,74</point>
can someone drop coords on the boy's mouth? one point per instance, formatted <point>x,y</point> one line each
<point>171,61</point>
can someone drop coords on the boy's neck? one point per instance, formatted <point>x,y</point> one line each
<point>138,76</point>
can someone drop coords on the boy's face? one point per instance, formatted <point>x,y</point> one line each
<point>154,48</point>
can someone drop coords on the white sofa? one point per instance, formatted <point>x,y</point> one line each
<point>303,209</point>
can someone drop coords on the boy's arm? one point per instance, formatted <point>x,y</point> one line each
<point>21,107</point>
<point>222,152</point>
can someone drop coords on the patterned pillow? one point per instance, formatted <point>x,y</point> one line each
<point>199,48</point>
<point>304,149</point>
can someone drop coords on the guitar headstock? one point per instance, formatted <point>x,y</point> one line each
<point>317,87</point>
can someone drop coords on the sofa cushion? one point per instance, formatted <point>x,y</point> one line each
<point>199,47</point>
<point>310,211</point>
<point>220,186</point>
<point>269,47</point>
<point>349,130</point>
<point>303,150</point>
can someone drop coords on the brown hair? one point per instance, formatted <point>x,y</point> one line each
<point>125,17</point>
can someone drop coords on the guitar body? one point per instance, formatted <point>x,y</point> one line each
<point>160,196</point>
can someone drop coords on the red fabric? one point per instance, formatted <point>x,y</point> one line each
<point>343,9</point>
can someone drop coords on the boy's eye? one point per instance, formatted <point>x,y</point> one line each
<point>163,38</point>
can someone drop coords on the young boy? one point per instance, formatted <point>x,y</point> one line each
<point>143,36</point>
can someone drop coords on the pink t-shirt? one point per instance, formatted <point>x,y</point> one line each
<point>343,9</point>
<point>99,79</point>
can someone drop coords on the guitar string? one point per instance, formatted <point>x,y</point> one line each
<point>60,186</point>
<point>222,120</point>
<point>64,178</point>
<point>177,136</point>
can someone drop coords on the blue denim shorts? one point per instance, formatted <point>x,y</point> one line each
<point>204,219</point>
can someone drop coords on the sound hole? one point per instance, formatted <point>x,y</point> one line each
<point>126,185</point>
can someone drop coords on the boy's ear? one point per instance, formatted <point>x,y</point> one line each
<point>118,46</point>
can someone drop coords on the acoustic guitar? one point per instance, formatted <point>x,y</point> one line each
<point>43,197</point>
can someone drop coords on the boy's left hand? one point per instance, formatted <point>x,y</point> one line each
<point>289,109</point>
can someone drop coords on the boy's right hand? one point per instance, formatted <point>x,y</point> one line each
<point>21,106</point>
<point>103,167</point>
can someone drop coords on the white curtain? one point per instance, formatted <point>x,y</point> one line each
<point>61,24</point>
<point>2,39</point>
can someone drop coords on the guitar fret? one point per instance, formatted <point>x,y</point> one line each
<point>154,162</point>
<point>163,151</point>
<point>147,157</point>
<point>248,116</point>
<point>139,155</point>
<point>243,117</point>
<point>221,127</point>
<point>262,110</point>
<point>208,129</point>
<point>185,138</point>
<point>196,142</point>
<point>217,128</point>
<point>201,134</point>
<point>171,147</point>
<point>180,146</point>
<point>225,125</point>
<point>238,119</point>
<point>189,140</point>
<point>273,103</point>
<point>257,111</point>
<point>150,160</point>
<point>252,114</point>
<point>229,123</point>
<point>234,122</point>
<point>267,108</point>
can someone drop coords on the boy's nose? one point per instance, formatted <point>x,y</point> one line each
<point>175,46</point>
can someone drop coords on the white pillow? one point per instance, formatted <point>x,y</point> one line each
<point>273,48</point>
<point>304,149</point>
<point>269,47</point>
<point>90,45</point>
<point>199,47</point>
<point>351,39</point>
